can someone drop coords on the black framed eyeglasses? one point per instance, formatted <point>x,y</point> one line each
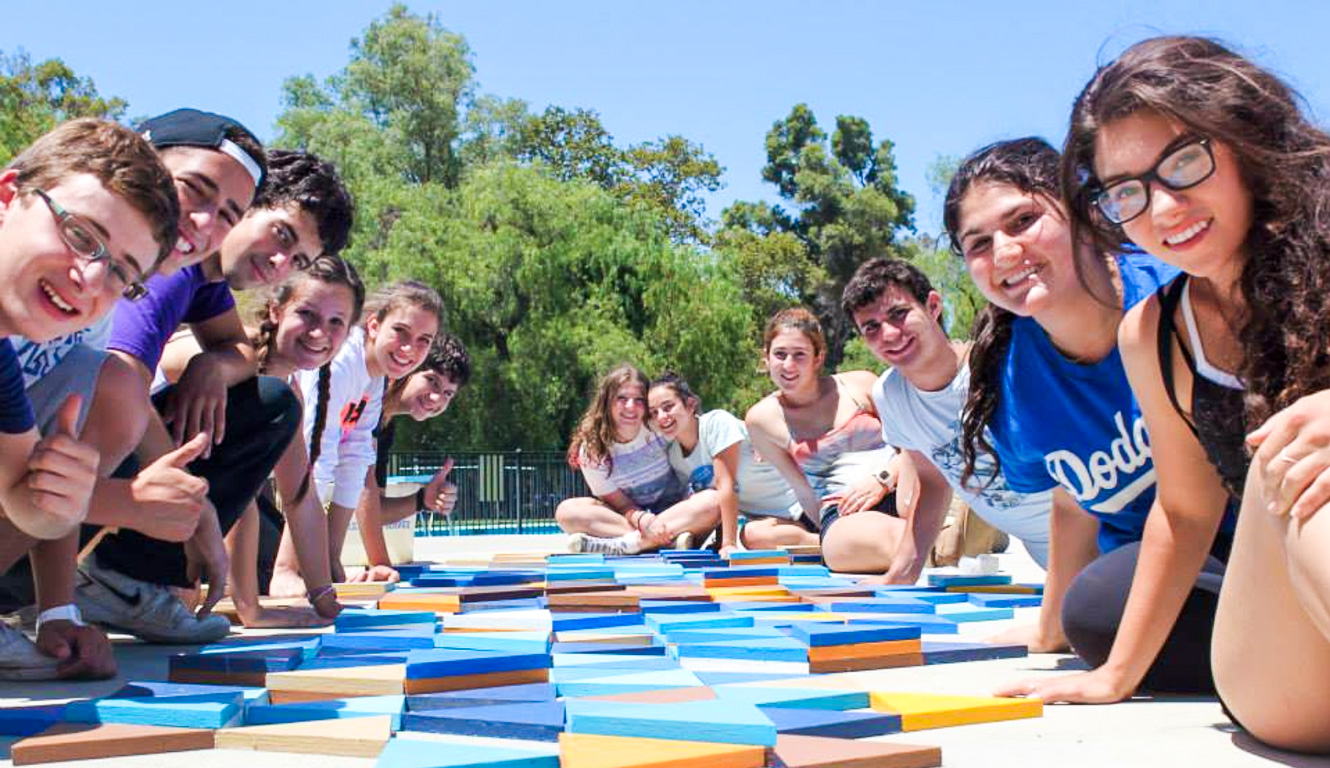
<point>1182,166</point>
<point>79,235</point>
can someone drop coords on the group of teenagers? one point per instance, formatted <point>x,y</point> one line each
<point>1145,402</point>
<point>148,431</point>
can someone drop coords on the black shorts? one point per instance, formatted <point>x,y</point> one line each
<point>831,514</point>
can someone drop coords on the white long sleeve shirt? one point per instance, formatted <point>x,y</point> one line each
<point>355,402</point>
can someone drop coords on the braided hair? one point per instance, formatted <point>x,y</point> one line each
<point>1032,166</point>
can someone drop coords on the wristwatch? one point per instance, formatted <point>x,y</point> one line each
<point>68,612</point>
<point>884,477</point>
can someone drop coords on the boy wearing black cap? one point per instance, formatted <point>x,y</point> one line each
<point>299,213</point>
<point>85,213</point>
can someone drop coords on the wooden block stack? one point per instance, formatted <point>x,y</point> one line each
<point>432,671</point>
<point>839,648</point>
<point>760,557</point>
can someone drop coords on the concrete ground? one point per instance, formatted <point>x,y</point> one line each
<point>1142,732</point>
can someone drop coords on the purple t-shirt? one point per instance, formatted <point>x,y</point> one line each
<point>16,415</point>
<point>143,327</point>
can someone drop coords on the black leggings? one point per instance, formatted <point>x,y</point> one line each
<point>1098,596</point>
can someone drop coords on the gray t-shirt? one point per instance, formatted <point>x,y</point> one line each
<point>929,422</point>
<point>761,490</point>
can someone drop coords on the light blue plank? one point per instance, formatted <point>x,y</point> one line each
<point>713,720</point>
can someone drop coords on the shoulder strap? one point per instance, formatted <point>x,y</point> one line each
<point>1169,296</point>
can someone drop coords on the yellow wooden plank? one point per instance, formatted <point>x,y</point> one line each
<point>919,711</point>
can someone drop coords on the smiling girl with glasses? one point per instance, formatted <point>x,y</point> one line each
<point>1205,160</point>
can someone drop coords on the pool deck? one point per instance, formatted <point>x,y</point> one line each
<point>1142,732</point>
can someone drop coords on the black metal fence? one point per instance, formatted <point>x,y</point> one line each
<point>498,491</point>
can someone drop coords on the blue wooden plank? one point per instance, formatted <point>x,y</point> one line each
<point>146,689</point>
<point>612,648</point>
<point>613,660</point>
<point>328,709</point>
<point>208,710</point>
<point>796,698</point>
<point>412,753</point>
<point>272,660</point>
<point>989,600</point>
<point>816,634</point>
<point>350,659</point>
<point>923,622</point>
<point>501,642</point>
<point>386,640</point>
<point>772,649</point>
<point>879,605</point>
<point>532,720</point>
<point>724,678</point>
<point>708,720</point>
<point>936,598</point>
<point>307,644</point>
<point>677,606</point>
<point>504,605</point>
<point>829,723</point>
<point>571,682</point>
<point>442,662</point>
<point>26,721</point>
<point>721,634</point>
<point>938,652</point>
<point>665,622</point>
<point>765,606</point>
<point>360,619</point>
<point>567,621</point>
<point>956,580</point>
<point>967,612</point>
<point>476,697</point>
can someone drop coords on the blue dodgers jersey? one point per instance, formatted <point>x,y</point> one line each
<point>1063,423</point>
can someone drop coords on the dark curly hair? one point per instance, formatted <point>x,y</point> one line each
<point>447,356</point>
<point>1030,165</point>
<point>314,185</point>
<point>875,276</point>
<point>1284,161</point>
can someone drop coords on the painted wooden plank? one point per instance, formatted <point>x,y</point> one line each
<point>353,619</point>
<point>796,698</point>
<point>722,634</point>
<point>563,622</point>
<point>660,695</point>
<point>349,737</point>
<point>531,720</point>
<point>386,640</point>
<point>500,642</point>
<point>794,751</point>
<point>944,580</point>
<point>585,750</point>
<point>823,634</point>
<point>938,652</point>
<point>26,721</point>
<point>1005,601</point>
<point>931,710</point>
<point>831,723</point>
<point>762,649</point>
<point>411,753</point>
<point>924,622</point>
<point>483,680</point>
<point>667,622</point>
<point>444,662</point>
<point>965,613</point>
<point>380,680</point>
<point>144,689</point>
<point>207,710</point>
<point>875,605</point>
<point>714,720</point>
<point>890,661</point>
<point>331,709</point>
<point>863,650</point>
<point>481,697</point>
<point>625,649</point>
<point>83,741</point>
<point>584,681</point>
<point>608,660</point>
<point>677,606</point>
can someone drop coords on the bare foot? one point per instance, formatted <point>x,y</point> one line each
<point>286,583</point>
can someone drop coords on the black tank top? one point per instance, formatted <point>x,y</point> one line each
<point>1217,417</point>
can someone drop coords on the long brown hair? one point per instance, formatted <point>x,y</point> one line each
<point>324,269</point>
<point>595,431</point>
<point>1030,165</point>
<point>1284,161</point>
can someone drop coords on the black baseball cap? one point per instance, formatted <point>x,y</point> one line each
<point>196,128</point>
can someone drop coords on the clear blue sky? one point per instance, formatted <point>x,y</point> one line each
<point>936,77</point>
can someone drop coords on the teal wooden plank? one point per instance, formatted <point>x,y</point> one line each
<point>329,709</point>
<point>711,720</point>
<point>208,710</point>
<point>798,698</point>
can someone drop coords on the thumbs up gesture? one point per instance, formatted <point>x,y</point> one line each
<point>441,495</point>
<point>168,498</point>
<point>62,471</point>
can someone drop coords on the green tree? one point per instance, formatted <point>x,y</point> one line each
<point>845,208</point>
<point>35,97</point>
